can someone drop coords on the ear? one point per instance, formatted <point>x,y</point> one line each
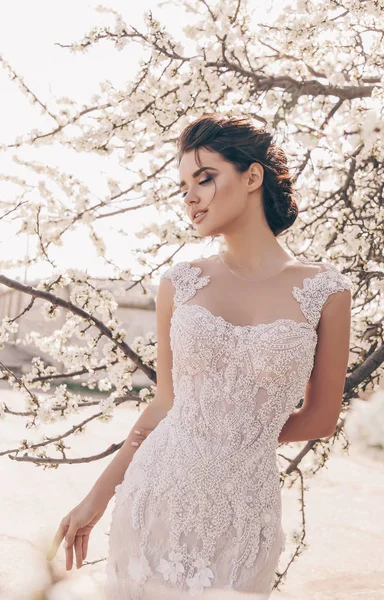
<point>255,174</point>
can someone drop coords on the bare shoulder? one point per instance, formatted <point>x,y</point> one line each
<point>205,262</point>
<point>307,268</point>
<point>334,271</point>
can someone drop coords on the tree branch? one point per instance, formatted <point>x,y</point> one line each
<point>26,289</point>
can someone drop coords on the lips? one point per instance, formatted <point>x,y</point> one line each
<point>200,214</point>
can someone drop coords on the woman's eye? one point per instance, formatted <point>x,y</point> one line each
<point>200,183</point>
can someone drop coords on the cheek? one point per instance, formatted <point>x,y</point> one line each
<point>228,197</point>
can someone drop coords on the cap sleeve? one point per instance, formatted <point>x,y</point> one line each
<point>186,280</point>
<point>317,290</point>
<point>339,280</point>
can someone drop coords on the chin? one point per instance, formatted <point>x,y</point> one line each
<point>204,231</point>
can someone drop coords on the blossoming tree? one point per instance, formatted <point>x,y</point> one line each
<point>315,76</point>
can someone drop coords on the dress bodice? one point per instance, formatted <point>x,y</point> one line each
<point>245,379</point>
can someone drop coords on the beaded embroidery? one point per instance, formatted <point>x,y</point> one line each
<point>200,504</point>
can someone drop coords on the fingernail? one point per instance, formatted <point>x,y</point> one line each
<point>137,431</point>
<point>134,443</point>
<point>65,545</point>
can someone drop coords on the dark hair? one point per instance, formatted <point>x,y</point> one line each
<point>240,142</point>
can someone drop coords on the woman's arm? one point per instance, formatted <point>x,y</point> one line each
<point>104,488</point>
<point>113,474</point>
<point>324,392</point>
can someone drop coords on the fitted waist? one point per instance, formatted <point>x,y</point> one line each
<point>205,432</point>
<point>229,454</point>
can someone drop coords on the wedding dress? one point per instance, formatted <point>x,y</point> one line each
<point>199,510</point>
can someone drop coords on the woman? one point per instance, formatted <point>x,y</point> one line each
<point>242,336</point>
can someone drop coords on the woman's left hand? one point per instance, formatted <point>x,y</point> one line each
<point>140,436</point>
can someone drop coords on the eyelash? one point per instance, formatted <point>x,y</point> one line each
<point>201,183</point>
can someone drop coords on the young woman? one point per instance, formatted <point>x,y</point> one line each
<point>242,336</point>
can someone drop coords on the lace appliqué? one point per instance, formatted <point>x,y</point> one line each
<point>202,577</point>
<point>186,281</point>
<point>172,567</point>
<point>315,291</point>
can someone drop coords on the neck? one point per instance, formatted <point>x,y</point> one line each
<point>255,258</point>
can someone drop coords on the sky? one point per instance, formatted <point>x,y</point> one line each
<point>28,34</point>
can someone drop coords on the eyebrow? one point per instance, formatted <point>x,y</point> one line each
<point>196,173</point>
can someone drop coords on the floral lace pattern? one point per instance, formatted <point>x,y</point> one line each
<point>200,503</point>
<point>316,290</point>
<point>170,568</point>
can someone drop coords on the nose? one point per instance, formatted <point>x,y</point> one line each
<point>190,198</point>
<point>189,201</point>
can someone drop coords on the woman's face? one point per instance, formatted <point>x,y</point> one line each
<point>227,205</point>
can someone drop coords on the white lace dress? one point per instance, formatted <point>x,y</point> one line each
<point>199,510</point>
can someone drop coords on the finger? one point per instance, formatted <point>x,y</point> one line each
<point>142,432</point>
<point>85,546</point>
<point>79,551</point>
<point>71,533</point>
<point>59,536</point>
<point>69,541</point>
<point>69,557</point>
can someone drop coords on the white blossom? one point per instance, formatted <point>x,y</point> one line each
<point>365,421</point>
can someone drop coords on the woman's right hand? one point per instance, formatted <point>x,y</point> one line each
<point>76,527</point>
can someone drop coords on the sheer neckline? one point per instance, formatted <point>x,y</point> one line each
<point>222,262</point>
<point>294,290</point>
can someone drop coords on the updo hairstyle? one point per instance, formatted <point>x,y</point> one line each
<point>240,142</point>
